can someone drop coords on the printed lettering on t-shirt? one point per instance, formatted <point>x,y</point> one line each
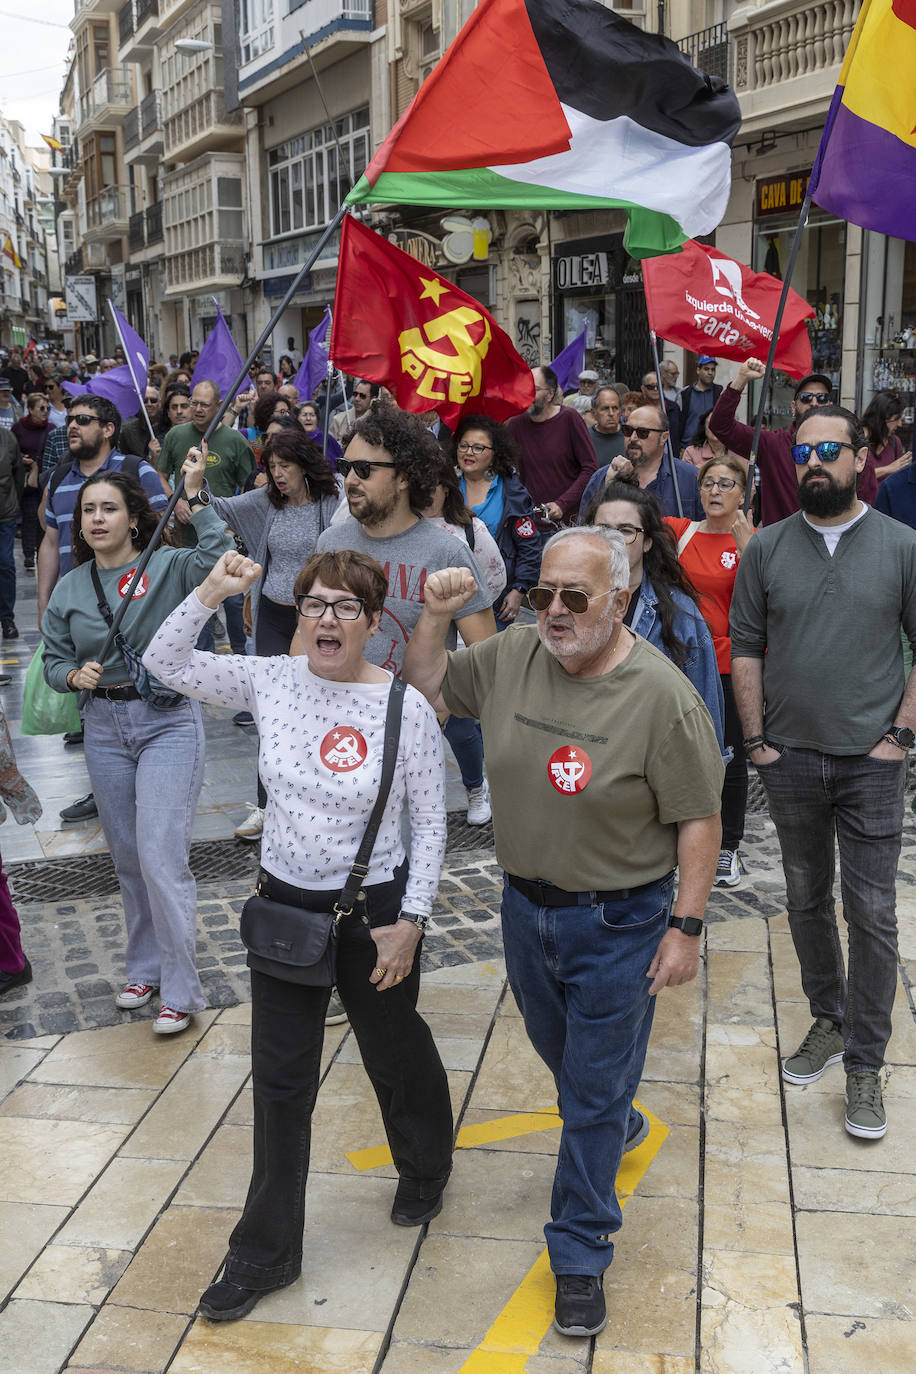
<point>406,582</point>
<point>343,749</point>
<point>141,588</point>
<point>569,769</point>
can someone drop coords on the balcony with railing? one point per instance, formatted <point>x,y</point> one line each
<point>138,29</point>
<point>131,128</point>
<point>708,50</point>
<point>108,214</point>
<point>202,126</point>
<point>787,58</point>
<point>73,266</point>
<point>107,101</point>
<point>209,267</point>
<point>153,215</point>
<point>136,232</point>
<point>329,29</point>
<point>126,22</point>
<point>143,139</point>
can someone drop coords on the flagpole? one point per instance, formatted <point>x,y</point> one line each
<point>211,429</point>
<point>327,406</point>
<point>133,376</point>
<point>768,370</point>
<point>661,405</point>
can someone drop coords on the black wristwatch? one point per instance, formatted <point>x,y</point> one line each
<point>201,499</point>
<point>901,735</point>
<point>421,922</point>
<point>687,925</point>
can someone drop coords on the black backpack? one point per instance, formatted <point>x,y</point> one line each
<point>131,466</point>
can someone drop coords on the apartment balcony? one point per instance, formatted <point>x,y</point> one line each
<point>143,137</point>
<point>708,50</point>
<point>211,267</point>
<point>154,232</point>
<point>73,265</point>
<point>275,56</point>
<point>136,232</point>
<point>139,29</point>
<point>108,214</point>
<point>787,58</point>
<point>107,101</point>
<point>98,256</point>
<point>131,129</point>
<point>84,10</point>
<point>203,126</point>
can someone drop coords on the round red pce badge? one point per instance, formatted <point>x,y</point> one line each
<point>569,769</point>
<point>343,749</point>
<point>141,588</point>
<point>524,527</point>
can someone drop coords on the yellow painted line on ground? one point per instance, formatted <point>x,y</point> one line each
<point>484,1133</point>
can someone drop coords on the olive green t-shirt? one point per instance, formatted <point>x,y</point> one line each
<point>588,776</point>
<point>230,461</point>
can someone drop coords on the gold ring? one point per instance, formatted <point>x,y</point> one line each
<point>381,972</point>
<point>398,977</point>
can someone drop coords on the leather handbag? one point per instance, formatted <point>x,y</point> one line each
<point>295,943</point>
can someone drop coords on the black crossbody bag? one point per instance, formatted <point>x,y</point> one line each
<point>149,687</point>
<point>301,944</point>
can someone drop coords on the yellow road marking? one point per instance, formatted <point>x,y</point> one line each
<point>484,1133</point>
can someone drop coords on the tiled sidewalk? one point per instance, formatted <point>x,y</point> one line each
<point>758,1237</point>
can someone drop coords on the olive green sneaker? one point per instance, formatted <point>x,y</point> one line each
<point>865,1114</point>
<point>821,1047</point>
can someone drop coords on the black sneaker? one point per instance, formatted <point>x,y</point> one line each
<point>410,1210</point>
<point>638,1132</point>
<point>83,810</point>
<point>9,629</point>
<point>227,1302</point>
<point>8,981</point>
<point>243,718</point>
<point>580,1309</point>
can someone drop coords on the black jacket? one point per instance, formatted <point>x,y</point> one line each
<point>12,476</point>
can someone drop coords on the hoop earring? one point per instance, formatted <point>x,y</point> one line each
<point>134,532</point>
<point>80,534</point>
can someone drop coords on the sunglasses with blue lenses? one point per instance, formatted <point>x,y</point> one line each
<point>828,450</point>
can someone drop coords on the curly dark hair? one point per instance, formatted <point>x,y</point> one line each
<point>139,509</point>
<point>659,560</point>
<point>454,508</point>
<point>291,444</point>
<point>506,455</point>
<point>412,448</point>
<point>264,408</point>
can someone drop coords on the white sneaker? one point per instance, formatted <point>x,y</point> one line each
<point>252,826</point>
<point>728,871</point>
<point>479,804</point>
<point>335,1014</point>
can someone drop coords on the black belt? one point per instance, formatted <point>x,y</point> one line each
<point>545,894</point>
<point>122,691</point>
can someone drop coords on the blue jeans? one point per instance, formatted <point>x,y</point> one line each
<point>235,628</point>
<point>7,569</point>
<point>146,768</point>
<point>463,734</point>
<point>812,798</point>
<point>579,976</point>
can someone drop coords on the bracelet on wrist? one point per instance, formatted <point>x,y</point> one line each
<point>754,742</point>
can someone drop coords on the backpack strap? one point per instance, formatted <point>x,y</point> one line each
<point>686,537</point>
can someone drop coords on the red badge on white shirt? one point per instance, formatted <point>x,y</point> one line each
<point>524,527</point>
<point>343,749</point>
<point>569,769</point>
<point>141,588</point>
<point>729,559</point>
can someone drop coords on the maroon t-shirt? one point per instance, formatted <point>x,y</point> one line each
<point>557,458</point>
<point>778,482</point>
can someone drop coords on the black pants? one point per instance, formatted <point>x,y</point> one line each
<point>734,788</point>
<point>273,635</point>
<point>287,1032</point>
<point>32,533</point>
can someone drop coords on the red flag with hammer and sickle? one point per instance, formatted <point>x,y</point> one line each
<point>432,345</point>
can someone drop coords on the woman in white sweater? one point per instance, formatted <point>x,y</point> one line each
<point>321,721</point>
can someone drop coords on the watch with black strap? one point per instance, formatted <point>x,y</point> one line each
<point>687,925</point>
<point>902,736</point>
<point>201,499</point>
<point>421,922</point>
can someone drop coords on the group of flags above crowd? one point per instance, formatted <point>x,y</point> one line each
<point>562,104</point>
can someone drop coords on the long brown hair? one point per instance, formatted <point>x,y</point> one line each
<point>142,515</point>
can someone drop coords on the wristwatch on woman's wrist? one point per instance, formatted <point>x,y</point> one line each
<point>201,499</point>
<point>421,922</point>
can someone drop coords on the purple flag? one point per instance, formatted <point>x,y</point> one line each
<point>135,350</point>
<point>117,386</point>
<point>220,361</point>
<point>314,367</point>
<point>568,364</point>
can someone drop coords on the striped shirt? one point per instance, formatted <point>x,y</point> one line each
<point>60,506</point>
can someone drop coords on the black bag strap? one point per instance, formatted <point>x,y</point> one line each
<point>357,875</point>
<point>100,594</point>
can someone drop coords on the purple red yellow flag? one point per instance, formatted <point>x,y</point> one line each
<point>433,346</point>
<point>865,169</point>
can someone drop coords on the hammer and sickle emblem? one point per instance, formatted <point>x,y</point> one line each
<point>452,373</point>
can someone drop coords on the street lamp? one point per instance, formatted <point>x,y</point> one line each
<point>189,46</point>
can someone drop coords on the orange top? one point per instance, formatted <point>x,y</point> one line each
<point>711,562</point>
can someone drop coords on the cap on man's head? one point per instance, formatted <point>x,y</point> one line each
<point>704,360</point>
<point>89,359</point>
<point>588,376</point>
<point>5,384</point>
<point>813,377</point>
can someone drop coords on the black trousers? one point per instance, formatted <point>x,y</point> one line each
<point>734,788</point>
<point>287,1032</point>
<point>273,635</point>
<point>32,533</point>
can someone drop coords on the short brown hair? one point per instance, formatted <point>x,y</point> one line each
<point>346,571</point>
<point>726,461</point>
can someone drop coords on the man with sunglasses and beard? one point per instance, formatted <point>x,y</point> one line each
<point>645,435</point>
<point>605,777</point>
<point>778,486</point>
<point>817,669</point>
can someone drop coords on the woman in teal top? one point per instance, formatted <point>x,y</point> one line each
<point>145,764</point>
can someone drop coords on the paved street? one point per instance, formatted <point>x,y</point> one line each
<point>758,1237</point>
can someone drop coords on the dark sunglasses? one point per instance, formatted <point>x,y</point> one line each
<point>539,598</point>
<point>641,431</point>
<point>82,420</point>
<point>362,468</point>
<point>828,450</point>
<point>814,398</point>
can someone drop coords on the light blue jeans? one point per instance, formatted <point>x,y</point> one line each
<point>146,768</point>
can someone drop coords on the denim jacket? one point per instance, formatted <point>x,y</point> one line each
<point>691,629</point>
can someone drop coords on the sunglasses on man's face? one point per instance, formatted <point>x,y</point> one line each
<point>362,469</point>
<point>541,598</point>
<point>814,398</point>
<point>641,431</point>
<point>828,450</point>
<point>82,420</point>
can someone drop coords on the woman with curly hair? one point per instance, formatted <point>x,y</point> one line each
<point>664,606</point>
<point>487,457</point>
<point>268,407</point>
<point>145,762</point>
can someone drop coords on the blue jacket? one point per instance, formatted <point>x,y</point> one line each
<point>518,538</point>
<point>693,632</point>
<point>662,489</point>
<point>897,497</point>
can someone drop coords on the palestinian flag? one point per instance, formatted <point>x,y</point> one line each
<point>564,105</point>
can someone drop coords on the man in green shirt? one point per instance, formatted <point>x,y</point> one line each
<point>230,462</point>
<point>604,776</point>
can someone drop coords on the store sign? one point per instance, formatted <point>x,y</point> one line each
<point>421,246</point>
<point>778,195</point>
<point>81,300</point>
<point>584,269</point>
<point>287,253</point>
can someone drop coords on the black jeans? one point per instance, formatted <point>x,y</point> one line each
<point>32,533</point>
<point>273,635</point>
<point>734,788</point>
<point>287,1031</point>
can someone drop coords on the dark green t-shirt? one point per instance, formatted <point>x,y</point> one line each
<point>588,776</point>
<point>230,461</point>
